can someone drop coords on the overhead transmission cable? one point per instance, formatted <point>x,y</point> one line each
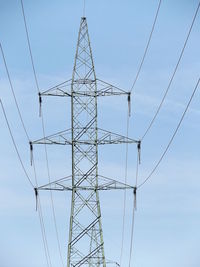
<point>147,46</point>
<point>126,160</point>
<point>51,194</point>
<point>29,46</point>
<point>15,145</point>
<point>172,138</point>
<point>84,8</point>
<point>26,174</point>
<point>43,129</point>
<point>158,163</point>
<point>134,209</point>
<point>132,231</point>
<point>125,181</point>
<point>173,74</point>
<point>40,213</point>
<point>13,92</point>
<point>44,236</point>
<point>24,169</point>
<point>135,188</point>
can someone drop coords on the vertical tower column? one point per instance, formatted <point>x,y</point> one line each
<point>86,246</point>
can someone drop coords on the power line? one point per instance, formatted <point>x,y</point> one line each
<point>132,231</point>
<point>26,174</point>
<point>137,166</point>
<point>13,92</point>
<point>125,181</point>
<point>29,46</point>
<point>173,74</point>
<point>43,231</point>
<point>14,143</point>
<point>172,138</point>
<point>83,8</point>
<point>27,135</point>
<point>175,132</point>
<point>156,166</point>
<point>134,205</point>
<point>43,129</point>
<point>134,208</point>
<point>41,220</point>
<point>51,194</point>
<point>147,46</point>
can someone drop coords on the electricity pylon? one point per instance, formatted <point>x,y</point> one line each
<point>85,244</point>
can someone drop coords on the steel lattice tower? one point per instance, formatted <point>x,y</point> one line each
<point>85,244</point>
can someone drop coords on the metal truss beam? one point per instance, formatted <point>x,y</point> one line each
<point>104,138</point>
<point>104,89</point>
<point>104,184</point>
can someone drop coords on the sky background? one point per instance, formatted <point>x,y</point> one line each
<point>168,206</point>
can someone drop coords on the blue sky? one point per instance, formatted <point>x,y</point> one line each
<point>168,212</point>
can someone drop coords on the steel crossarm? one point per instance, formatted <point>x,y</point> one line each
<point>62,89</point>
<point>103,89</point>
<point>104,184</point>
<point>107,89</point>
<point>60,138</point>
<point>104,137</point>
<point>107,137</point>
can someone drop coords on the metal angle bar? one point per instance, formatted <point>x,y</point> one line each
<point>76,251</point>
<point>86,175</point>
<point>81,64</point>
<point>84,49</point>
<point>110,89</point>
<point>107,90</point>
<point>85,202</point>
<point>89,72</point>
<point>85,154</point>
<point>121,138</point>
<point>111,184</point>
<point>48,138</point>
<point>84,231</point>
<point>85,188</point>
<point>85,81</point>
<point>82,228</point>
<point>106,137</point>
<point>58,87</point>
<point>69,177</point>
<point>77,74</point>
<point>84,62</point>
<point>88,256</point>
<point>81,107</point>
<point>84,129</point>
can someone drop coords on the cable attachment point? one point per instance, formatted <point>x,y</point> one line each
<point>129,104</point>
<point>31,152</point>
<point>40,104</point>
<point>135,197</point>
<point>139,151</point>
<point>36,197</point>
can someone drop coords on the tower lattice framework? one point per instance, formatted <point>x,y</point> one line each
<point>85,243</point>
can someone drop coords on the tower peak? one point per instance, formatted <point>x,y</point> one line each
<point>83,66</point>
